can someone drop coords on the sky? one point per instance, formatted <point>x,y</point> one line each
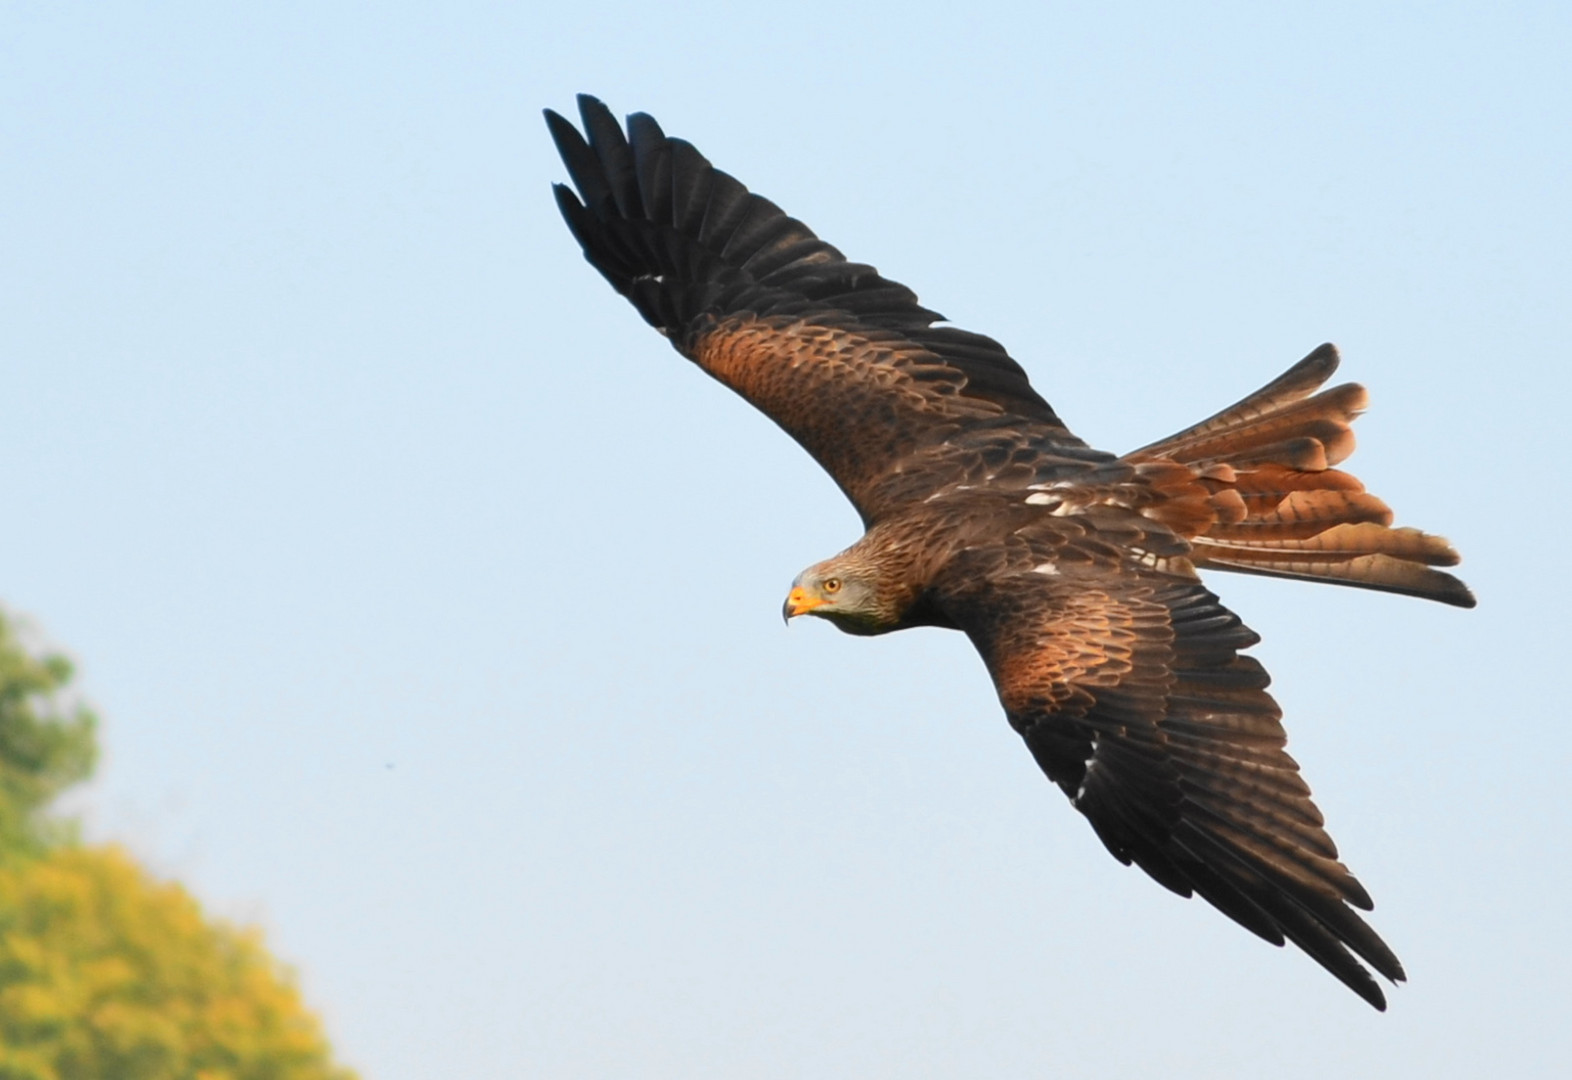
<point>431,602</point>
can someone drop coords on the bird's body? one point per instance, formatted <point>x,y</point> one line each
<point>1072,570</point>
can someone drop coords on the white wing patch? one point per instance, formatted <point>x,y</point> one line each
<point>1048,568</point>
<point>1091,763</point>
<point>1043,495</point>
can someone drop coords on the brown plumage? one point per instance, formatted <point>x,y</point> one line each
<point>1073,571</point>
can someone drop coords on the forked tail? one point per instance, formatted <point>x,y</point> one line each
<point>1257,492</point>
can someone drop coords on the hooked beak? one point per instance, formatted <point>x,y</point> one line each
<point>799,602</point>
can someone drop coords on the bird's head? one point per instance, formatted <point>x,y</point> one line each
<point>844,592</point>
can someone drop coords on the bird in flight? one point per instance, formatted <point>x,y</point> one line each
<point>1073,571</point>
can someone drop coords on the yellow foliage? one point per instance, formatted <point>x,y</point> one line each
<point>106,973</point>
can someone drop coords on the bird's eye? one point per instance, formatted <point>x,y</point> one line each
<point>832,584</point>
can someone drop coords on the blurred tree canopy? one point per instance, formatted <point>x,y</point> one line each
<point>106,973</point>
<point>46,741</point>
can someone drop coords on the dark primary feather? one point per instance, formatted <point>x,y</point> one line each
<point>785,319</point>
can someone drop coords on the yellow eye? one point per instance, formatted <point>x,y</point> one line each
<point>832,584</point>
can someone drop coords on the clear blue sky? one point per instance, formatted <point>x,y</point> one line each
<point>432,603</point>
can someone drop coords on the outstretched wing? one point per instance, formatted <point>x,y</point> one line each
<point>846,361</point>
<point>1128,686</point>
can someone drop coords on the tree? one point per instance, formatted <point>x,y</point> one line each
<point>46,741</point>
<point>104,971</point>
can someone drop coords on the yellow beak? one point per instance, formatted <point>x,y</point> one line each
<point>798,602</point>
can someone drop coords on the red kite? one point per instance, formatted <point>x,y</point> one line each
<point>1073,571</point>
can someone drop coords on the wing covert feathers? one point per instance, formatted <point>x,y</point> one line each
<point>1257,492</point>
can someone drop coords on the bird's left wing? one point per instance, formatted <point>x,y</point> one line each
<point>1128,686</point>
<point>845,360</point>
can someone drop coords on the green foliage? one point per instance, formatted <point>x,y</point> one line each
<point>46,741</point>
<point>106,973</point>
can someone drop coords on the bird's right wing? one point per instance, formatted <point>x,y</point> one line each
<point>1129,689</point>
<point>846,361</point>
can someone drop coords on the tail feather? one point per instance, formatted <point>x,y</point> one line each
<point>1295,384</point>
<point>1298,513</point>
<point>1381,572</point>
<point>1325,418</point>
<point>1254,491</point>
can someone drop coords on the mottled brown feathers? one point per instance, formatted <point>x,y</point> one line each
<point>1073,571</point>
<point>824,384</point>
